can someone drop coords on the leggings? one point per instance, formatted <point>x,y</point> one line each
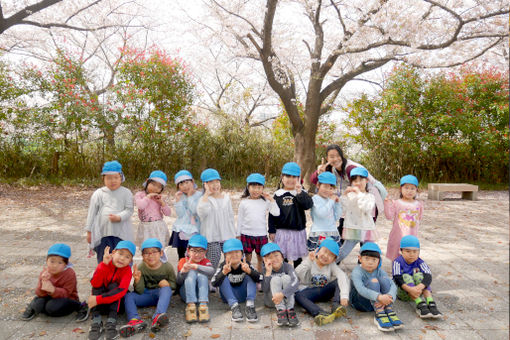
<point>54,307</point>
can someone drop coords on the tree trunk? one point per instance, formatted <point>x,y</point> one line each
<point>304,153</point>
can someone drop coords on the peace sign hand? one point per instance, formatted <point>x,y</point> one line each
<point>268,196</point>
<point>227,268</point>
<point>321,168</point>
<point>245,266</point>
<point>107,257</point>
<point>299,187</point>
<point>187,266</point>
<point>137,274</point>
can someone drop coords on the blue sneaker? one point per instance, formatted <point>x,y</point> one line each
<point>395,321</point>
<point>382,322</point>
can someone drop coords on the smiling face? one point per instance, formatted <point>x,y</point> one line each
<point>55,264</point>
<point>275,258</point>
<point>121,258</point>
<point>112,181</point>
<point>333,158</point>
<point>214,186</point>
<point>154,187</point>
<point>410,255</point>
<point>408,191</point>
<point>326,190</point>
<point>196,254</point>
<point>325,256</point>
<point>289,182</point>
<point>234,257</point>
<point>186,186</point>
<point>152,257</point>
<point>368,263</point>
<point>255,190</point>
<point>360,182</point>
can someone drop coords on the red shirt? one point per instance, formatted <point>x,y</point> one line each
<point>64,283</point>
<point>106,274</point>
<point>204,262</point>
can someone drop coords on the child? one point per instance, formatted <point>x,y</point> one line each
<point>187,223</point>
<point>151,208</point>
<point>372,289</point>
<point>216,215</point>
<point>110,210</point>
<point>288,229</point>
<point>359,207</point>
<point>237,281</point>
<point>279,285</point>
<point>252,216</point>
<point>413,278</point>
<point>194,272</point>
<point>325,212</point>
<point>322,280</point>
<point>405,212</point>
<point>56,293</point>
<point>110,283</point>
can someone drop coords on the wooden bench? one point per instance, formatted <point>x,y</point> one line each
<point>469,191</point>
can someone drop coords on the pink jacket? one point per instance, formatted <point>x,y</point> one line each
<point>150,210</point>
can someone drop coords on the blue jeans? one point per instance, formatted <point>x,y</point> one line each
<point>159,297</point>
<point>308,296</point>
<point>345,249</point>
<point>107,241</point>
<point>232,294</point>
<point>363,304</point>
<point>195,283</point>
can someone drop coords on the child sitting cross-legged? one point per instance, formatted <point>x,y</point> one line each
<point>373,290</point>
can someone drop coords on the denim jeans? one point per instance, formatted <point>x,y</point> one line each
<point>308,296</point>
<point>363,304</point>
<point>345,249</point>
<point>195,284</point>
<point>159,297</point>
<point>232,294</point>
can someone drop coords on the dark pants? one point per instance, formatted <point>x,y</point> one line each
<point>308,296</point>
<point>54,307</point>
<point>108,241</point>
<point>111,309</point>
<point>363,304</point>
<point>297,262</point>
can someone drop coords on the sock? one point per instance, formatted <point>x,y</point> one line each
<point>250,303</point>
<point>418,300</point>
<point>203,303</point>
<point>234,305</point>
<point>429,300</point>
<point>96,319</point>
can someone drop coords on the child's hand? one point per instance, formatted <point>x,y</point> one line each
<point>334,197</point>
<point>187,266</point>
<point>298,186</point>
<point>163,283</point>
<point>385,299</point>
<point>45,275</point>
<point>269,267</point>
<point>89,237</point>
<point>227,268</point>
<point>47,286</point>
<point>344,302</point>
<point>414,292</point>
<point>321,168</point>
<point>178,196</point>
<point>207,191</point>
<point>277,298</point>
<point>268,196</point>
<point>137,275</point>
<point>311,255</point>
<point>92,302</point>
<point>271,237</point>
<point>107,257</point>
<point>114,218</point>
<point>245,266</point>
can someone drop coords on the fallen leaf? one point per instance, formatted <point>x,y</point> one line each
<point>306,329</point>
<point>152,335</point>
<point>215,336</point>
<point>78,330</point>
<point>187,334</point>
<point>423,330</point>
<point>431,327</point>
<point>42,333</point>
<point>441,335</point>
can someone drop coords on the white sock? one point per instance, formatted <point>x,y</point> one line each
<point>250,303</point>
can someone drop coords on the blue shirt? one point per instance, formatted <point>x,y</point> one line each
<point>360,278</point>
<point>325,214</point>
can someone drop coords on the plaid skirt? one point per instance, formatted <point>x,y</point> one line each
<point>251,243</point>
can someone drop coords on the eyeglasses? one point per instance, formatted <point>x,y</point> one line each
<point>150,253</point>
<point>197,250</point>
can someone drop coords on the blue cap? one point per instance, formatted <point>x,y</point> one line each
<point>409,179</point>
<point>182,175</point>
<point>127,245</point>
<point>269,248</point>
<point>197,241</point>
<point>151,243</point>
<point>112,167</point>
<point>330,245</point>
<point>359,172</point>
<point>60,249</point>
<point>256,178</point>
<point>410,242</point>
<point>292,169</point>
<point>327,178</point>
<point>370,246</point>
<point>158,176</point>
<point>232,244</point>
<point>209,175</point>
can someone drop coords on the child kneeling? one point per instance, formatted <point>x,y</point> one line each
<point>322,280</point>
<point>153,284</point>
<point>194,272</point>
<point>413,278</point>
<point>372,289</point>
<point>279,285</point>
<point>237,281</point>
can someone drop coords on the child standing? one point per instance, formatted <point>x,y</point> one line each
<point>56,293</point>
<point>413,278</point>
<point>279,285</point>
<point>110,210</point>
<point>153,284</point>
<point>372,289</point>
<point>237,281</point>
<point>187,223</point>
<point>325,212</point>
<point>288,229</point>
<point>110,283</point>
<point>359,207</point>
<point>405,212</point>
<point>252,216</point>
<point>194,272</point>
<point>151,208</point>
<point>216,215</point>
<point>322,280</point>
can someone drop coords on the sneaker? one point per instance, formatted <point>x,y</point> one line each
<point>237,315</point>
<point>251,314</point>
<point>293,320</point>
<point>338,311</point>
<point>282,318</point>
<point>28,314</point>
<point>191,313</point>
<point>159,321</point>
<point>211,288</point>
<point>132,327</point>
<point>96,328</point>
<point>394,320</point>
<point>323,318</point>
<point>83,313</point>
<point>436,314</point>
<point>382,322</point>
<point>110,331</point>
<point>203,313</point>
<point>423,310</point>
